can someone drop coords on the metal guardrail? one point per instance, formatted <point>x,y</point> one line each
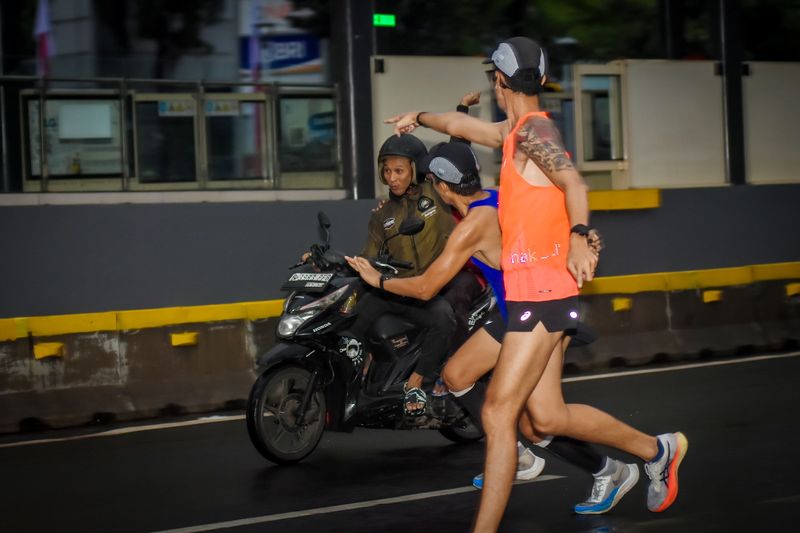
<point>271,113</point>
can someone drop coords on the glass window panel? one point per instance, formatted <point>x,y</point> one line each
<point>235,131</point>
<point>82,137</point>
<point>602,121</point>
<point>165,141</point>
<point>307,144</point>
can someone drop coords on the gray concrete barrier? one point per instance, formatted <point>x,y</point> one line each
<point>128,375</point>
<point>86,378</point>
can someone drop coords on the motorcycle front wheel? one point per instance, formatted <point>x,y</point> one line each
<point>272,411</point>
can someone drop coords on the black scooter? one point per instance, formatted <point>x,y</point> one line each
<point>318,377</point>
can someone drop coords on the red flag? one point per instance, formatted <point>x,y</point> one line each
<point>43,32</point>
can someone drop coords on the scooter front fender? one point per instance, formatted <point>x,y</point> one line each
<point>283,352</point>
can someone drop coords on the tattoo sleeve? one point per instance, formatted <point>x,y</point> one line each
<point>539,139</point>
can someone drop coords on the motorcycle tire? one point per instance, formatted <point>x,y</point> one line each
<point>271,415</point>
<point>468,432</point>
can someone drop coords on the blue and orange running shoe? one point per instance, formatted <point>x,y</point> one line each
<point>663,473</point>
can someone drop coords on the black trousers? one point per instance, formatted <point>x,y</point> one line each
<point>460,292</point>
<point>435,315</point>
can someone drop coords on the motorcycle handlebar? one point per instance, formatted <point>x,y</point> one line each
<point>401,264</point>
<point>389,264</point>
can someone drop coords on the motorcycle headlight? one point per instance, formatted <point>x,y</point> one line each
<point>291,322</point>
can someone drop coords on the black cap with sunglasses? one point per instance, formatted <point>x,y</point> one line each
<point>522,61</point>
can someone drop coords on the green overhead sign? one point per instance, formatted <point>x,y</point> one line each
<point>383,20</point>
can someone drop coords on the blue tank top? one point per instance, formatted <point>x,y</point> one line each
<point>492,275</point>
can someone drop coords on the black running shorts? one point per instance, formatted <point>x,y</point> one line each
<point>495,326</point>
<point>556,315</point>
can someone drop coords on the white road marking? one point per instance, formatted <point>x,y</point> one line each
<point>214,419</point>
<point>681,367</point>
<point>338,508</point>
<point>131,429</point>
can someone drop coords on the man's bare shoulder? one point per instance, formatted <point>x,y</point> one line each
<point>479,223</point>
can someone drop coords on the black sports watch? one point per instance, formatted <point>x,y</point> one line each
<point>385,277</point>
<point>580,229</point>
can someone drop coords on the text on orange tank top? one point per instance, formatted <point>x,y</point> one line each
<point>535,228</point>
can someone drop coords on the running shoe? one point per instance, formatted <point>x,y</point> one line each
<point>610,485</point>
<point>529,466</point>
<point>663,473</point>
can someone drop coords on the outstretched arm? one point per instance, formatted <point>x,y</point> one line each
<point>452,123</point>
<point>463,242</point>
<point>538,140</point>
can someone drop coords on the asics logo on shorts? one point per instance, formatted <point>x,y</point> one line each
<point>525,316</point>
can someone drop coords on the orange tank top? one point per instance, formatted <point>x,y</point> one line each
<point>535,228</point>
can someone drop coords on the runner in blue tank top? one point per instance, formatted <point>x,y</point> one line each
<point>454,168</point>
<point>493,275</point>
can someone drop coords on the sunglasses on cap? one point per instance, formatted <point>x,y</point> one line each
<point>491,75</point>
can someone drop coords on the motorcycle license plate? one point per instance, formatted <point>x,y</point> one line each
<point>308,281</point>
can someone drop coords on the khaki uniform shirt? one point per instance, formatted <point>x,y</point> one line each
<point>422,249</point>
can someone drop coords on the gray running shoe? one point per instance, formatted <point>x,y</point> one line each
<point>529,466</point>
<point>610,485</point>
<point>663,474</point>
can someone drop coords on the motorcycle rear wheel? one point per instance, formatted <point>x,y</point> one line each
<point>271,415</point>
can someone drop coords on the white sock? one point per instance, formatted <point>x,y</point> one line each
<point>460,393</point>
<point>609,467</point>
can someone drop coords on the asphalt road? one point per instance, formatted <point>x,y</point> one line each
<point>741,472</point>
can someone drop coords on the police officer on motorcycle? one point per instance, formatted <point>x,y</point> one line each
<point>400,160</point>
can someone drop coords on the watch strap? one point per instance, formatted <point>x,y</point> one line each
<point>580,229</point>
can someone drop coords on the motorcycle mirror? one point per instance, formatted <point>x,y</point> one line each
<point>411,226</point>
<point>324,224</point>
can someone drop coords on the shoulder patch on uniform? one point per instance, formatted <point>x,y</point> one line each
<point>388,223</point>
<point>425,203</point>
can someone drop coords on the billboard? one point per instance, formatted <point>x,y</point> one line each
<point>273,49</point>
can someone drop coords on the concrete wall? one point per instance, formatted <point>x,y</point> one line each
<point>675,124</point>
<point>771,115</point>
<point>88,258</point>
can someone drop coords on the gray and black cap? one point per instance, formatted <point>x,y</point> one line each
<point>453,162</point>
<point>522,60</point>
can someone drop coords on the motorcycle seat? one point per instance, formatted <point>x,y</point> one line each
<point>389,326</point>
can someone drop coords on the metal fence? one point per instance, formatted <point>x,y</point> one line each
<point>117,134</point>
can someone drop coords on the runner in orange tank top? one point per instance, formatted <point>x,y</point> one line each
<point>536,233</point>
<point>544,214</point>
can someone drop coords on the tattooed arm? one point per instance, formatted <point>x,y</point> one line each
<point>539,141</point>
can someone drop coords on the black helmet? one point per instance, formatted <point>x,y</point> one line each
<point>406,145</point>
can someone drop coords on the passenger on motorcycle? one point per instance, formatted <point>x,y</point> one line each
<point>398,162</point>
